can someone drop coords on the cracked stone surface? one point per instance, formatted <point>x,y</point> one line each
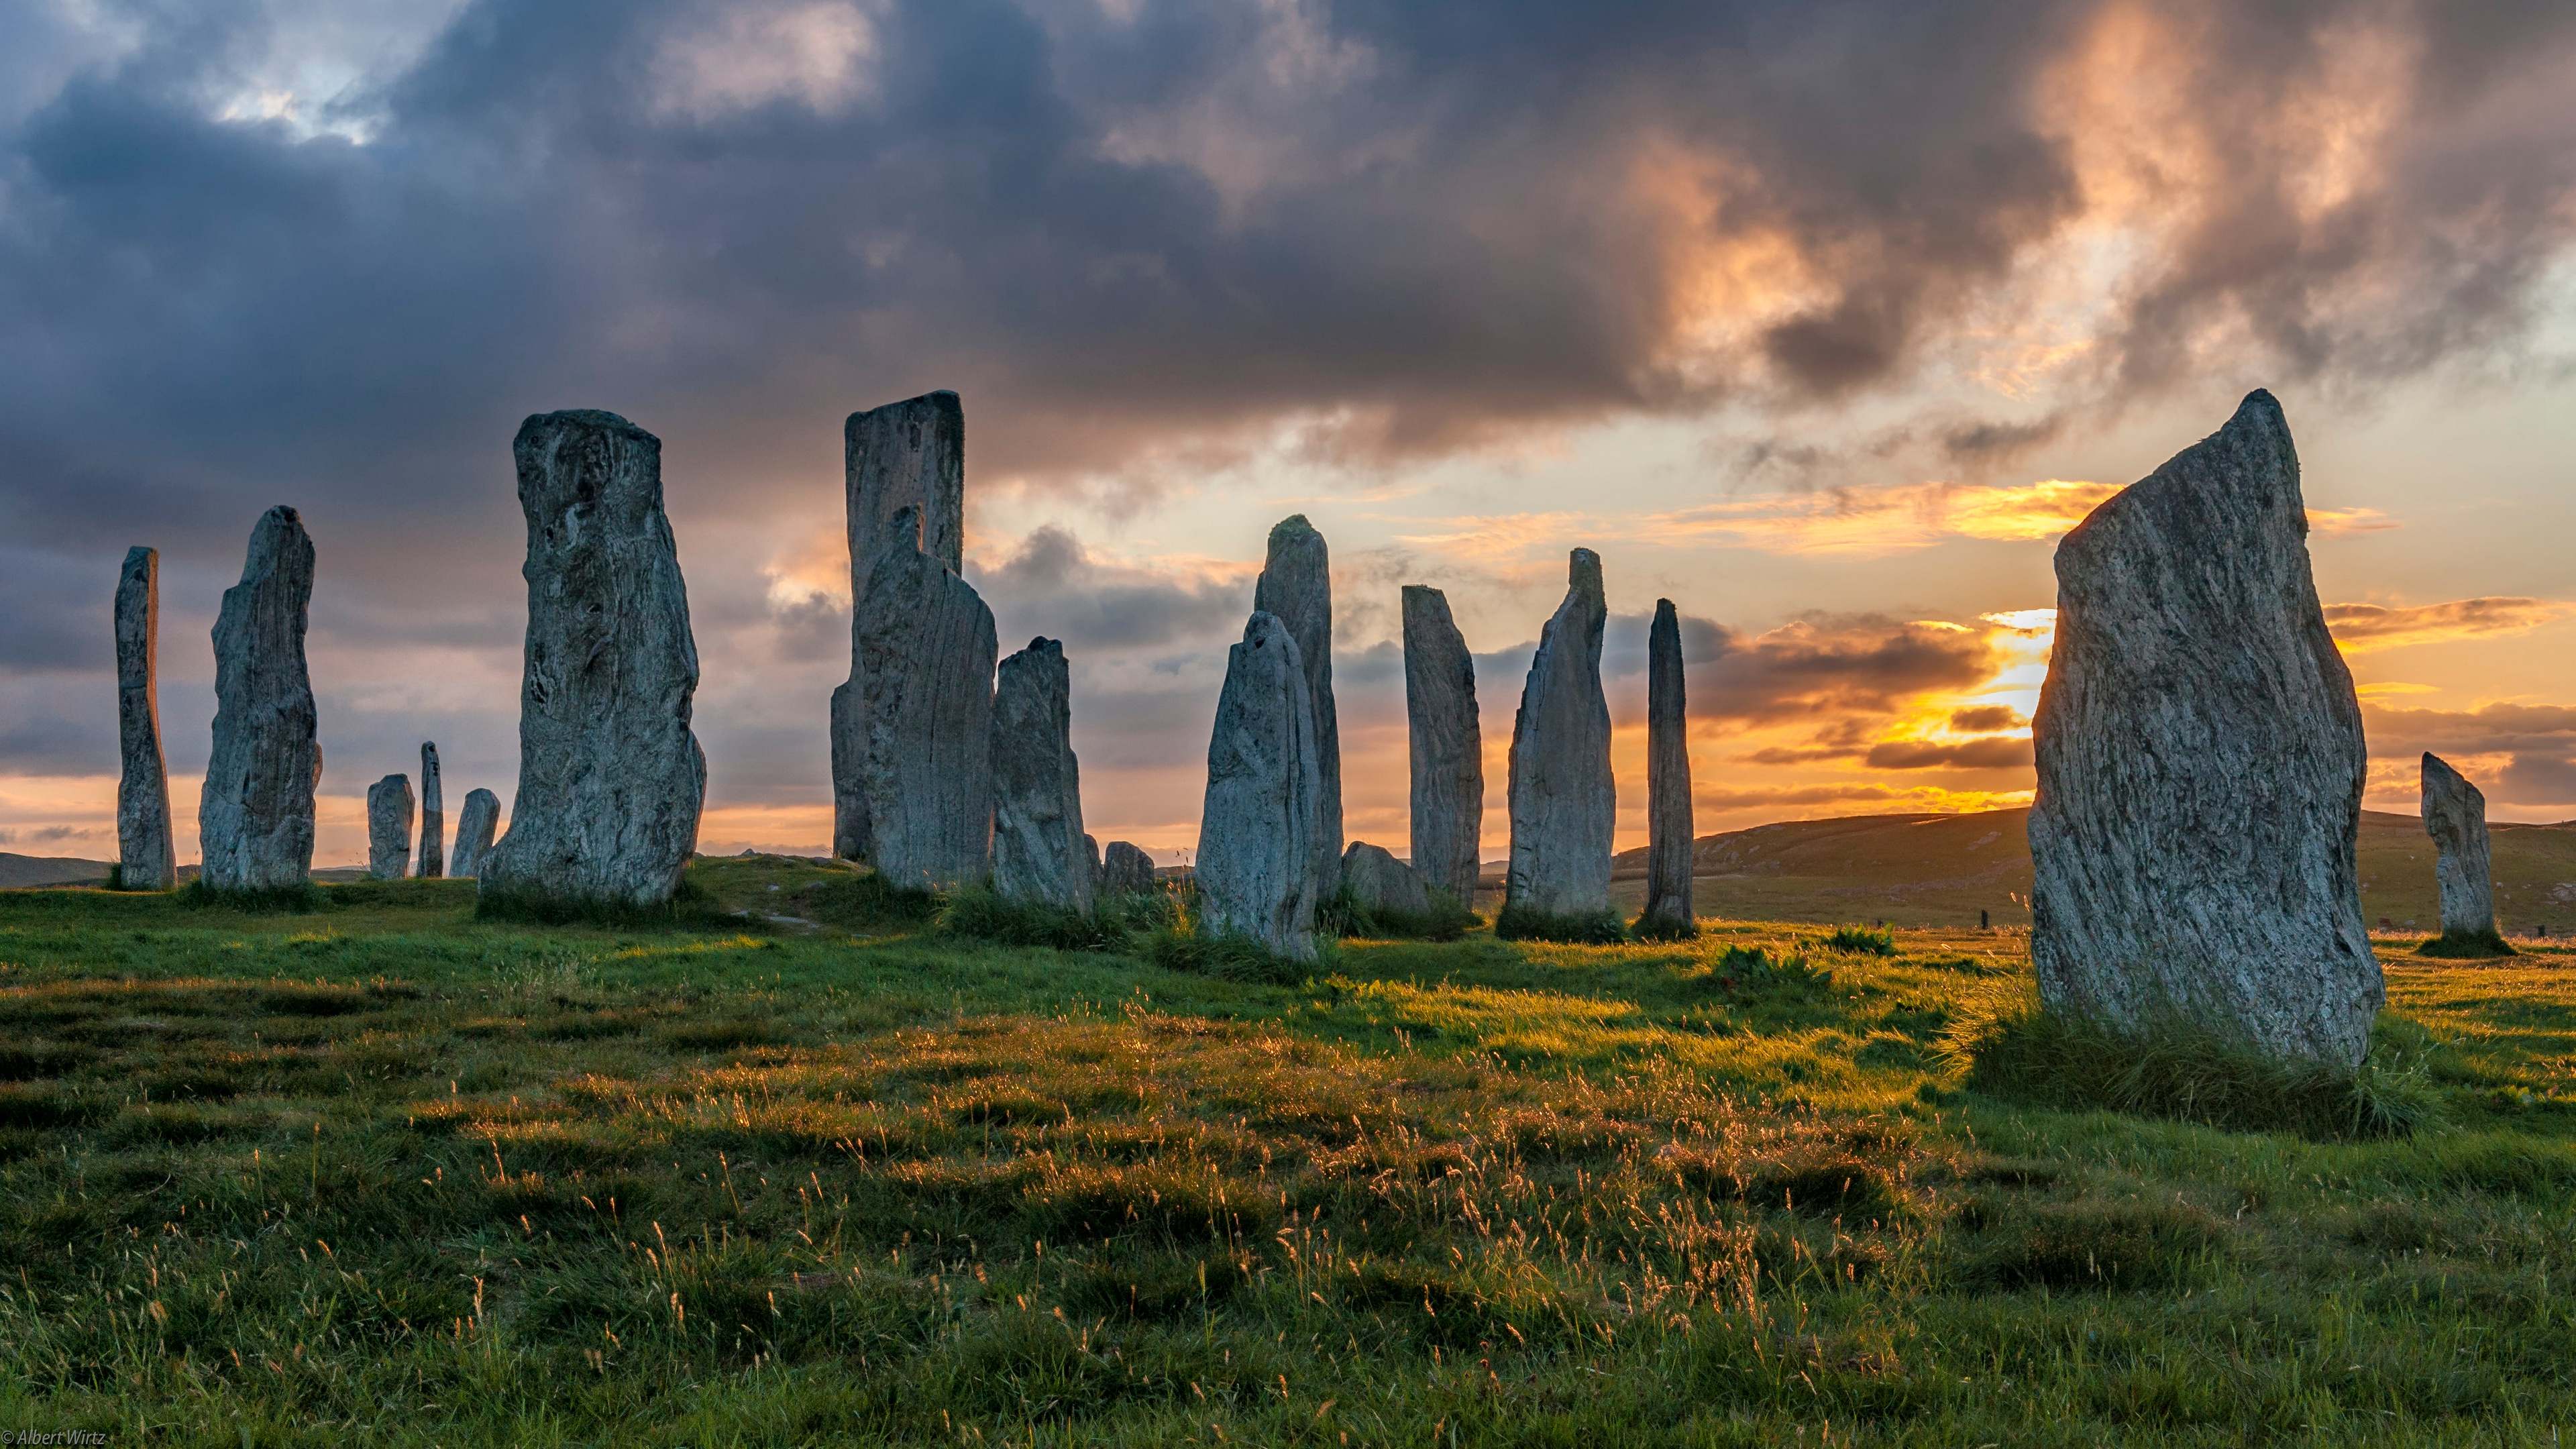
<point>1296,586</point>
<point>255,816</point>
<point>1039,850</point>
<point>1255,869</point>
<point>474,827</point>
<point>1563,804</point>
<point>927,655</point>
<point>2455,815</point>
<point>2200,764</point>
<point>1126,869</point>
<point>147,857</point>
<point>389,810</point>
<point>1376,881</point>
<point>1447,746</point>
<point>433,816</point>
<point>1668,783</point>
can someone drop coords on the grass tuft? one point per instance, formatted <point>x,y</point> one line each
<point>1859,941</point>
<point>1514,923</point>
<point>294,900</point>
<point>2194,1074</point>
<point>689,908</point>
<point>1660,928</point>
<point>2466,946</point>
<point>1445,921</point>
<point>984,914</point>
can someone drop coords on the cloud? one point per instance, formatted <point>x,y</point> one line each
<point>1986,719</point>
<point>2534,743</point>
<point>1052,585</point>
<point>1829,664</point>
<point>2360,628</point>
<point>1954,755</point>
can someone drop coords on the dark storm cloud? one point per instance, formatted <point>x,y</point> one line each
<point>1051,585</point>
<point>2538,741</point>
<point>1827,664</point>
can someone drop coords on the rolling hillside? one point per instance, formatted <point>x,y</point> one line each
<point>19,871</point>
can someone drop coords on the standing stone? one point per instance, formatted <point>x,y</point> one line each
<point>474,827</point>
<point>2455,815</point>
<point>910,454</point>
<point>1091,854</point>
<point>1377,882</point>
<point>146,855</point>
<point>1448,747</point>
<point>1296,587</point>
<point>1668,783</point>
<point>255,817</point>
<point>433,816</point>
<point>611,779</point>
<point>1256,870</point>
<point>1039,850</point>
<point>1126,870</point>
<point>926,652</point>
<point>1564,806</point>
<point>2201,765</point>
<point>389,827</point>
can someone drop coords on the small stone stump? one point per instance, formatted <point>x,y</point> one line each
<point>2455,815</point>
<point>1039,850</point>
<point>1127,870</point>
<point>1385,887</point>
<point>389,808</point>
<point>475,825</point>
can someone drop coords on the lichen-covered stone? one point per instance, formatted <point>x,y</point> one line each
<point>1126,869</point>
<point>1296,586</point>
<point>1040,854</point>
<point>389,808</point>
<point>1376,882</point>
<point>910,454</point>
<point>611,779</point>
<point>1564,806</point>
<point>2455,815</point>
<point>147,858</point>
<point>475,825</point>
<point>1668,783</point>
<point>255,816</point>
<point>926,654</point>
<point>433,816</point>
<point>1447,747</point>
<point>1255,870</point>
<point>2200,765</point>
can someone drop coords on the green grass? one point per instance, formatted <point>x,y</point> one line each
<point>2465,946</point>
<point>1518,923</point>
<point>381,1171</point>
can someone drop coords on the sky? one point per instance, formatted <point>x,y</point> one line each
<point>1823,320</point>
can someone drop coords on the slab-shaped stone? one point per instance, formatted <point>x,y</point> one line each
<point>1668,782</point>
<point>146,854</point>
<point>475,825</point>
<point>926,655</point>
<point>1448,746</point>
<point>1256,870</point>
<point>2455,815</point>
<point>1296,586</point>
<point>433,816</point>
<point>255,816</point>
<point>1374,880</point>
<point>910,454</point>
<point>1564,806</point>
<point>389,810</point>
<point>2200,765</point>
<point>611,779</point>
<point>1039,850</point>
<point>1126,869</point>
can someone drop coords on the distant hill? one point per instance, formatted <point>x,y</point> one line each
<point>1943,869</point>
<point>20,871</point>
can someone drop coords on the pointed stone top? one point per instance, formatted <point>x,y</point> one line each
<point>2439,776</point>
<point>139,557</point>
<point>1294,526</point>
<point>1664,610</point>
<point>278,533</point>
<point>1263,629</point>
<point>1583,571</point>
<point>1044,645</point>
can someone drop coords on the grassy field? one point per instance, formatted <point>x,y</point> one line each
<point>382,1173</point>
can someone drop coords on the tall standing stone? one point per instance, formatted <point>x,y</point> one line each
<point>1448,747</point>
<point>910,454</point>
<point>389,808</point>
<point>1126,869</point>
<point>1668,782</point>
<point>1039,852</point>
<point>1564,806</point>
<point>1256,872</point>
<point>611,779</point>
<point>926,650</point>
<point>474,826</point>
<point>146,856</point>
<point>433,816</point>
<point>2455,815</point>
<point>255,817</point>
<point>1296,587</point>
<point>2201,765</point>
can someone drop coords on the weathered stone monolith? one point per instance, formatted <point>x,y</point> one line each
<point>1091,853</point>
<point>1256,870</point>
<point>1448,746</point>
<point>389,808</point>
<point>1564,806</point>
<point>1126,870</point>
<point>2201,764</point>
<point>2455,815</point>
<point>1038,853</point>
<point>433,816</point>
<point>910,454</point>
<point>255,817</point>
<point>1296,586</point>
<point>474,826</point>
<point>146,855</point>
<point>1668,784</point>
<point>611,779</point>
<point>926,652</point>
<point>1375,881</point>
